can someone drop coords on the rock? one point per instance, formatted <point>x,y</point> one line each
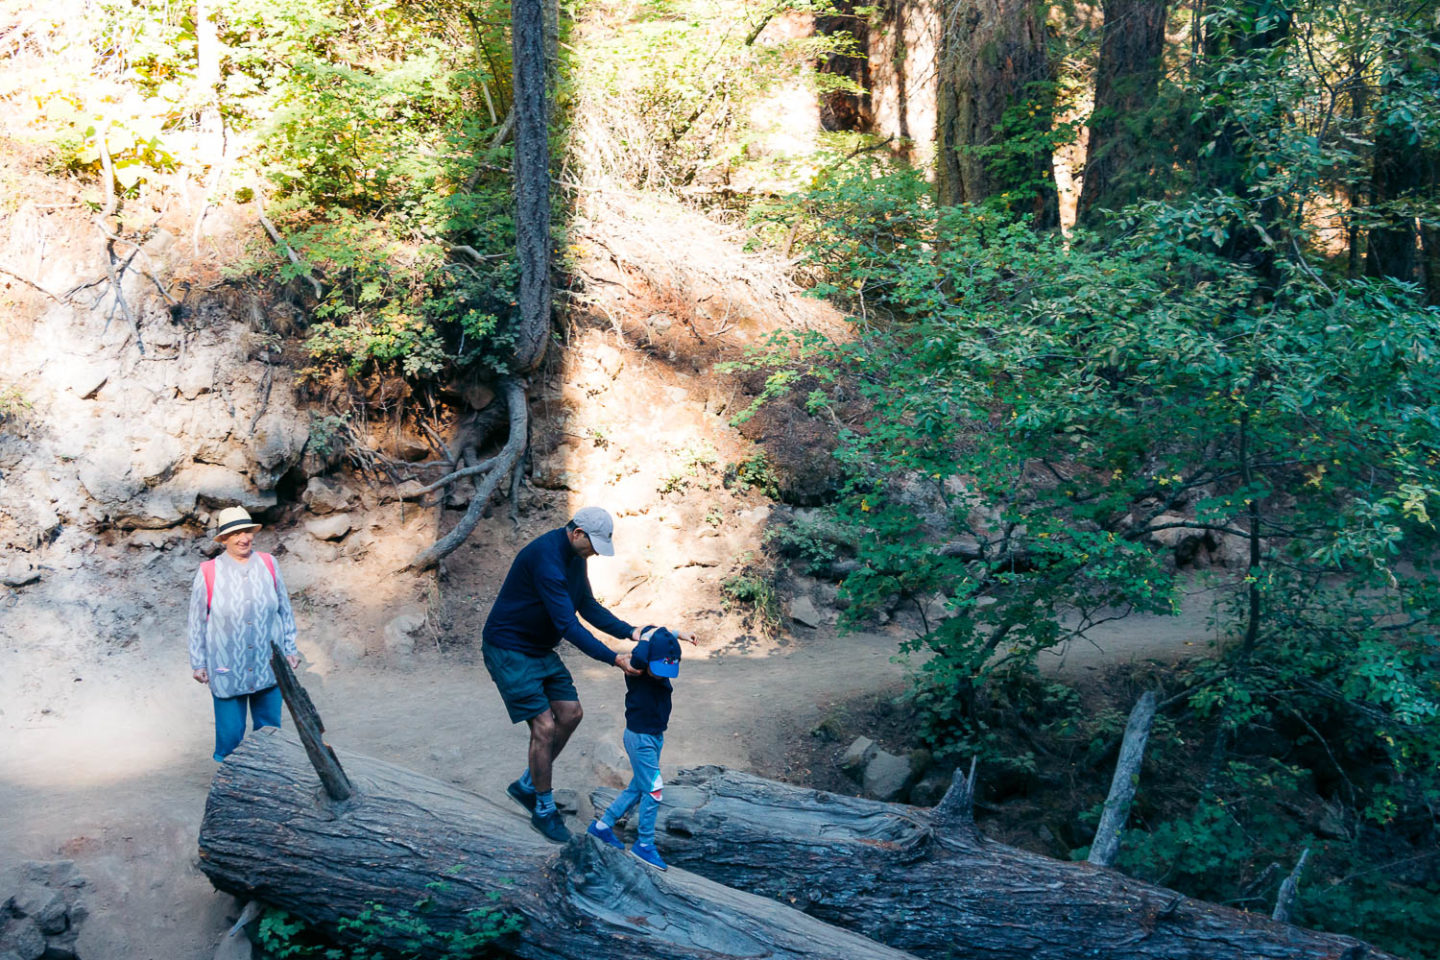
<point>612,765</point>
<point>400,632</point>
<point>86,380</point>
<point>886,775</point>
<point>567,801</point>
<point>22,937</point>
<point>217,486</point>
<point>278,439</point>
<point>323,498</point>
<point>803,611</point>
<point>408,448</point>
<point>54,917</point>
<point>608,359</point>
<point>19,572</point>
<point>404,491</point>
<point>332,527</point>
<point>857,755</point>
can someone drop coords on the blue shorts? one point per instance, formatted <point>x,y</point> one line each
<point>528,684</point>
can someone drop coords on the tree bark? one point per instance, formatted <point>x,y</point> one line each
<point>937,889</point>
<point>1132,43</point>
<point>532,181</point>
<point>270,835</point>
<point>993,61</point>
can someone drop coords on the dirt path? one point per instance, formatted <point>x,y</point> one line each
<point>115,775</point>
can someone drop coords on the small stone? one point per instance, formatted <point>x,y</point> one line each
<point>803,611</point>
<point>19,572</point>
<point>857,755</point>
<point>886,775</point>
<point>332,527</point>
<point>566,801</point>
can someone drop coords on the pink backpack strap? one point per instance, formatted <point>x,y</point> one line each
<point>270,565</point>
<point>207,570</point>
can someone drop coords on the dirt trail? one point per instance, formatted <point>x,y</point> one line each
<point>116,777</point>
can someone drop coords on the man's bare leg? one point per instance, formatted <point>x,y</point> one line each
<point>549,732</point>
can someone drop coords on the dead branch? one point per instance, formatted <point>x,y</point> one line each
<point>503,462</point>
<point>292,255</point>
<point>1288,889</point>
<point>1122,785</point>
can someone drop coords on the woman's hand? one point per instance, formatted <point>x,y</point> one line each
<point>201,676</point>
<point>293,661</point>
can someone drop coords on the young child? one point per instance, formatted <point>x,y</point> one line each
<point>647,713</point>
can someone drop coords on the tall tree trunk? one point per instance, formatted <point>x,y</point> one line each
<point>532,181</point>
<point>1132,44</point>
<point>993,62</point>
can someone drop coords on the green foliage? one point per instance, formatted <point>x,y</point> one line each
<point>752,592</point>
<point>14,406</point>
<point>669,93</point>
<point>693,465</point>
<point>754,473</point>
<point>374,932</point>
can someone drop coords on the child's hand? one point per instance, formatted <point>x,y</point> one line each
<point>688,637</point>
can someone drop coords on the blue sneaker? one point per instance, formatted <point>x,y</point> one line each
<point>526,798</point>
<point>648,853</point>
<point>605,835</point>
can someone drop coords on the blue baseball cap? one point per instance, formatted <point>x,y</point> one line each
<point>658,649</point>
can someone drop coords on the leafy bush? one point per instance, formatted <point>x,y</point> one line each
<point>367,934</point>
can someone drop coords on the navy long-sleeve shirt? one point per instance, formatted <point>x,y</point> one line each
<point>537,605</point>
<point>647,704</point>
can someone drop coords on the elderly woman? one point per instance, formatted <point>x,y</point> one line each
<point>238,608</point>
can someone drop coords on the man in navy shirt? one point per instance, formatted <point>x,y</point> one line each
<point>546,587</point>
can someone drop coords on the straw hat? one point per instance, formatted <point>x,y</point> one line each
<point>233,520</point>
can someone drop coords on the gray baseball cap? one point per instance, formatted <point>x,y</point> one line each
<point>598,526</point>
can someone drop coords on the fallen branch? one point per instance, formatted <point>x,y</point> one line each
<point>31,284</point>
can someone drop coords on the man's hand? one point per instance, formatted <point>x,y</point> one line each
<point>201,676</point>
<point>622,660</point>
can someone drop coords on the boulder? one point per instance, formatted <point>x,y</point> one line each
<point>857,755</point>
<point>322,497</point>
<point>332,527</point>
<point>804,612</point>
<point>886,776</point>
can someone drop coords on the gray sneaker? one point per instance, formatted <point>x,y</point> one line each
<point>551,826</point>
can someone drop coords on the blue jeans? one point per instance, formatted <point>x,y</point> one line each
<point>645,785</point>
<point>230,717</point>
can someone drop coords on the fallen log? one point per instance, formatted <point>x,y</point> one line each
<point>271,833</point>
<point>928,883</point>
